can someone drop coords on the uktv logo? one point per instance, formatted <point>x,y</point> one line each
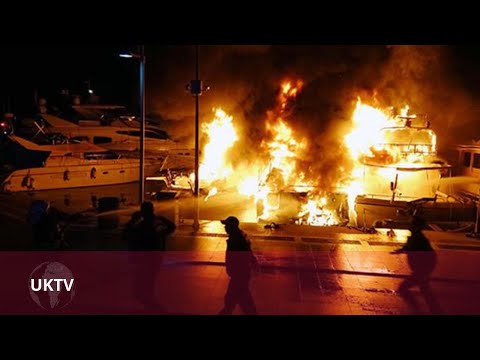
<point>52,285</point>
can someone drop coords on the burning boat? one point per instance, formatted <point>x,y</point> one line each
<point>395,169</point>
<point>401,170</point>
<point>388,163</point>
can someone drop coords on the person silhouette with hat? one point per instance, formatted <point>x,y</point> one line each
<point>422,260</point>
<point>239,261</point>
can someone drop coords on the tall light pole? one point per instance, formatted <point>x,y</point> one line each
<point>197,130</point>
<point>196,88</point>
<point>141,58</point>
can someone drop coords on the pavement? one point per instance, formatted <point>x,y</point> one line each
<point>303,270</point>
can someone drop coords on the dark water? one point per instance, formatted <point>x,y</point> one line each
<point>73,200</point>
<point>80,199</point>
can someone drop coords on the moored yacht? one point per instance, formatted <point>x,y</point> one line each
<point>111,127</point>
<point>404,172</point>
<point>469,170</point>
<point>30,167</point>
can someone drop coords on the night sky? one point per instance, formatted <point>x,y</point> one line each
<point>230,70</point>
<point>51,68</point>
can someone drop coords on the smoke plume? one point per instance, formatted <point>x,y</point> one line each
<point>245,82</point>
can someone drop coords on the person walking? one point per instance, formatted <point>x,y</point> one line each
<point>239,261</point>
<point>146,235</point>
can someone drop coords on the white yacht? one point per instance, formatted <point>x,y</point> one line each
<point>404,173</point>
<point>30,167</point>
<point>469,170</point>
<point>111,127</point>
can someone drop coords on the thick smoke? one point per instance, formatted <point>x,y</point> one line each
<point>423,77</point>
<point>232,72</point>
<point>245,82</point>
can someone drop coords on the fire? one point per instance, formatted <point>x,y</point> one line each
<point>378,136</point>
<point>380,146</point>
<point>282,183</point>
<point>215,169</point>
<point>282,146</point>
<point>288,92</point>
<point>366,133</point>
<point>269,182</point>
<point>248,186</point>
<point>212,192</point>
<point>282,149</point>
<point>317,213</point>
<point>214,166</point>
<point>222,136</point>
<point>404,111</point>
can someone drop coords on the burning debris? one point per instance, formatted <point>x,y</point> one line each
<point>324,211</point>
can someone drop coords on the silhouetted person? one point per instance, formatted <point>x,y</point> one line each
<point>45,220</point>
<point>422,260</point>
<point>239,260</point>
<point>146,234</point>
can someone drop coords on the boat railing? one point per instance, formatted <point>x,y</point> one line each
<point>407,149</point>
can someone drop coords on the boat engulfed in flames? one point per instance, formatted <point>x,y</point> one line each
<point>403,171</point>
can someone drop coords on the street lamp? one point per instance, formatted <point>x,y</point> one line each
<point>141,58</point>
<point>197,88</point>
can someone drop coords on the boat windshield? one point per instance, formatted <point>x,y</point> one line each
<point>106,155</point>
<point>101,113</point>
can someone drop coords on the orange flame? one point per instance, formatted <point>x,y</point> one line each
<point>379,144</point>
<point>288,92</point>
<point>318,214</point>
<point>222,137</point>
<point>282,173</point>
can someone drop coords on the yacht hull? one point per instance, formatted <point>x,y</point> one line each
<point>73,176</point>
<point>370,211</point>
